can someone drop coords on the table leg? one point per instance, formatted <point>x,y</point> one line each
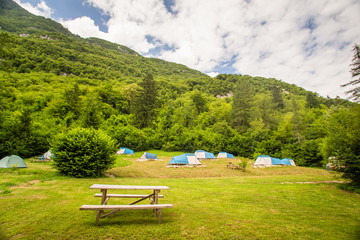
<point>156,200</point>
<point>103,202</point>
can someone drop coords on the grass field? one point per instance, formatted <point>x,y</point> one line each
<point>210,202</point>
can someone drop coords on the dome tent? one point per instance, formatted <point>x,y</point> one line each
<point>201,155</point>
<point>185,159</point>
<point>148,156</point>
<point>267,161</point>
<point>225,155</point>
<point>124,150</point>
<point>47,156</point>
<point>292,162</point>
<point>12,161</point>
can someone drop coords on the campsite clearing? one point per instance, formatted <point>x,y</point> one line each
<point>257,204</point>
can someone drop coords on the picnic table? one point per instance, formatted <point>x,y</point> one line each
<point>105,197</point>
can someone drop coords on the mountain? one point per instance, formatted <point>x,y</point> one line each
<point>52,81</point>
<point>17,20</point>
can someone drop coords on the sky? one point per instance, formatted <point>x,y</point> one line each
<point>308,42</point>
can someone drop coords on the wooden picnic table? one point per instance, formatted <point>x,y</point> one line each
<point>105,197</point>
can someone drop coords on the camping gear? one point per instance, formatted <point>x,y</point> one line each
<point>185,159</point>
<point>148,156</point>
<point>47,156</point>
<point>225,155</point>
<point>267,161</point>
<point>12,161</point>
<point>124,150</point>
<point>201,155</point>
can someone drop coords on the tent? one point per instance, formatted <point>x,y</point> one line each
<point>12,161</point>
<point>148,156</point>
<point>267,161</point>
<point>185,159</point>
<point>201,154</point>
<point>292,162</point>
<point>124,150</point>
<point>47,156</point>
<point>225,155</point>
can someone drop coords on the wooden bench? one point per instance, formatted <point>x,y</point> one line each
<point>101,208</point>
<point>125,195</point>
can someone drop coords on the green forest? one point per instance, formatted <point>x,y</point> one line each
<point>53,81</point>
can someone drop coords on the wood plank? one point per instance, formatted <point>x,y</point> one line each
<point>128,187</point>
<point>125,195</point>
<point>125,207</point>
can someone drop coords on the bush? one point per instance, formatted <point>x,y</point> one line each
<point>83,153</point>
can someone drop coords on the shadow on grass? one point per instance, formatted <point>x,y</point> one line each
<point>128,218</point>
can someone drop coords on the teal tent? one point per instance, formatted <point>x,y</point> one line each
<point>185,159</point>
<point>124,150</point>
<point>12,161</point>
<point>148,156</point>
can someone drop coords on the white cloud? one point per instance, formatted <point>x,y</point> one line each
<point>83,26</point>
<point>41,9</point>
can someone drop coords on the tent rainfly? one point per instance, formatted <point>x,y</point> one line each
<point>12,161</point>
<point>148,156</point>
<point>225,155</point>
<point>47,156</point>
<point>292,162</point>
<point>201,155</point>
<point>267,161</point>
<point>124,150</point>
<point>185,159</point>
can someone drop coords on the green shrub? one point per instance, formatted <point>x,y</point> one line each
<point>83,153</point>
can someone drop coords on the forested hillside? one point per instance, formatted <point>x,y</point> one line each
<point>52,81</point>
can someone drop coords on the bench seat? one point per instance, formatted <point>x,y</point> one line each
<point>101,208</point>
<point>125,195</point>
<point>125,207</point>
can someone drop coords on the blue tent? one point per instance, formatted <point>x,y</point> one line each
<point>265,160</point>
<point>225,155</point>
<point>147,155</point>
<point>185,159</point>
<point>124,150</point>
<point>47,156</point>
<point>201,154</point>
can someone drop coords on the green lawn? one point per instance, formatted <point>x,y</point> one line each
<point>210,202</point>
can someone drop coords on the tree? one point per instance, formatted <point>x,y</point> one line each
<point>200,101</point>
<point>83,153</point>
<point>5,41</point>
<point>343,142</point>
<point>312,100</point>
<point>242,103</point>
<point>145,102</point>
<point>277,98</point>
<point>355,72</point>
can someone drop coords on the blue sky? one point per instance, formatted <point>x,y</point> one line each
<point>305,42</point>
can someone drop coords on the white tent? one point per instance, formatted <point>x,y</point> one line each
<point>263,160</point>
<point>267,161</point>
<point>201,155</point>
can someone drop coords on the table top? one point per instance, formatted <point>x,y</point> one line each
<point>128,187</point>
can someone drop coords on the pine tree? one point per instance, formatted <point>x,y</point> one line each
<point>145,102</point>
<point>242,103</point>
<point>355,72</point>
